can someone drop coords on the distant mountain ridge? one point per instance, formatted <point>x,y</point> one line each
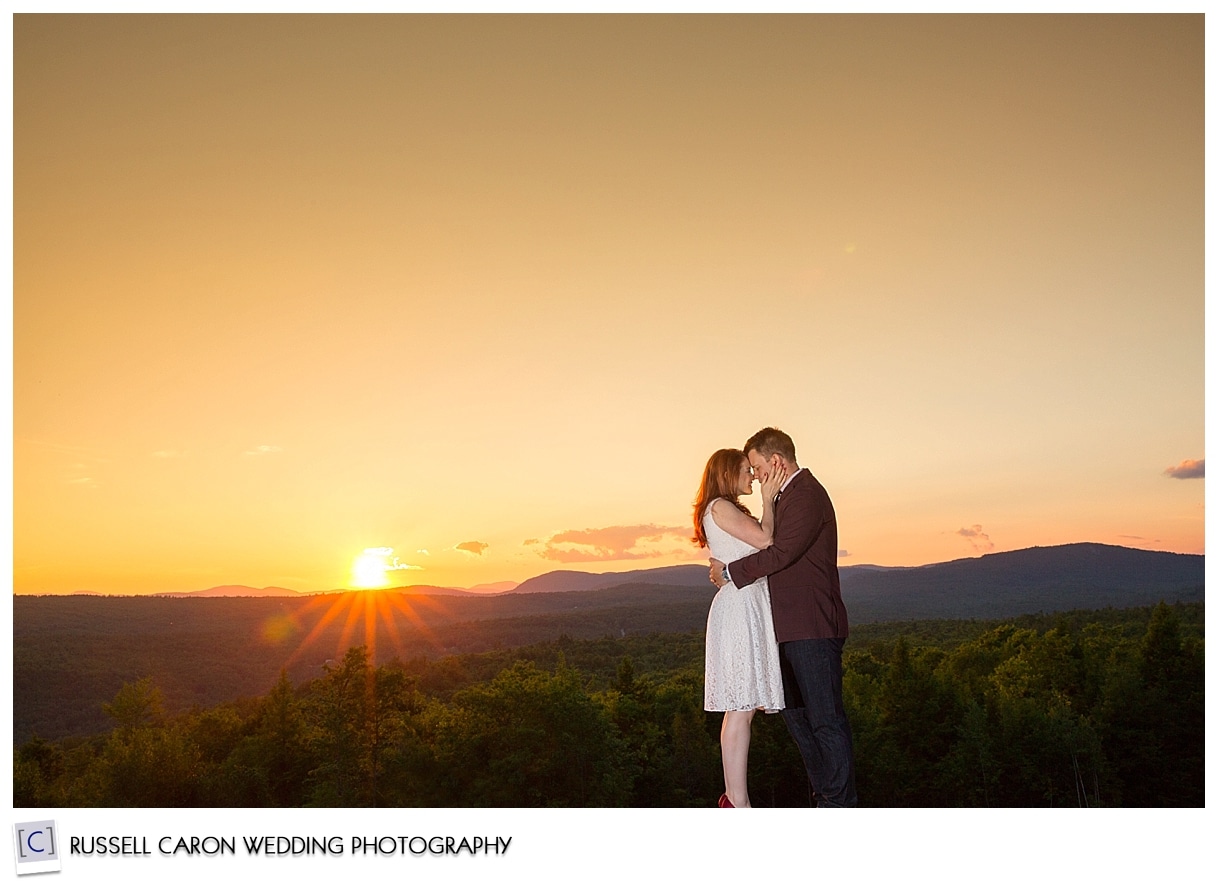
<point>1082,575</point>
<point>488,589</point>
<point>235,591</point>
<point>574,580</point>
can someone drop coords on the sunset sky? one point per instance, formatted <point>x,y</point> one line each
<point>484,293</point>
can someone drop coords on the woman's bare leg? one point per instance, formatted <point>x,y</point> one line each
<point>734,740</point>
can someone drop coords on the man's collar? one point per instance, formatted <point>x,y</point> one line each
<point>789,479</point>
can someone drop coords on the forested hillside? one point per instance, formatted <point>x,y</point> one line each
<point>1094,709</point>
<point>72,653</point>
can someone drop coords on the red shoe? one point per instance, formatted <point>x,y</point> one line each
<point>724,802</point>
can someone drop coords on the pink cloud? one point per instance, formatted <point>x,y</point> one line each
<point>635,542</point>
<point>977,537</point>
<point>1189,468</point>
<point>473,547</point>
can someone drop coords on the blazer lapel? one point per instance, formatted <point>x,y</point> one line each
<point>783,492</point>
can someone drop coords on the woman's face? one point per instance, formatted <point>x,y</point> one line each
<point>744,479</point>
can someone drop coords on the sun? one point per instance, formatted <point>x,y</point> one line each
<point>378,609</point>
<point>368,570</point>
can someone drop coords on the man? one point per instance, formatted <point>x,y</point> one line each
<point>809,616</point>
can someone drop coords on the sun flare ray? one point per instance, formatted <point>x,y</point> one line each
<point>384,604</point>
<point>335,608</point>
<point>369,600</point>
<point>408,611</point>
<point>349,626</point>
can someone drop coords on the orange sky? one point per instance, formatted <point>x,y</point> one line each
<point>488,291</point>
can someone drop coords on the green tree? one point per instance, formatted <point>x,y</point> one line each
<point>918,714</point>
<point>694,776</point>
<point>151,766</point>
<point>359,716</point>
<point>136,704</point>
<point>531,738</point>
<point>1153,719</point>
<point>630,704</point>
<point>261,757</point>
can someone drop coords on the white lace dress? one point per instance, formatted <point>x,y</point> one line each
<point>742,670</point>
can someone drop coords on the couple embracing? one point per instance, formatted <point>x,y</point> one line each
<point>776,628</point>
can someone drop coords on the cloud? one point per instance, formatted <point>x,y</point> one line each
<point>635,542</point>
<point>473,547</point>
<point>424,552</point>
<point>841,552</point>
<point>530,541</point>
<point>390,561</point>
<point>976,537</point>
<point>1189,468</point>
<point>263,450</point>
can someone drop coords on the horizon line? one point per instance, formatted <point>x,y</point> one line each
<point>476,593</point>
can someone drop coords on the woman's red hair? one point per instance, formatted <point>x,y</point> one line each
<point>720,478</point>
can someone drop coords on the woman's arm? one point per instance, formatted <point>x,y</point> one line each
<point>804,516</point>
<point>736,523</point>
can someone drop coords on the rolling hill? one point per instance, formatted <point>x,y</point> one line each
<point>1011,583</point>
<point>72,653</point>
<point>1008,583</point>
<point>574,580</point>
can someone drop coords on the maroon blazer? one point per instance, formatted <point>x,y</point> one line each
<point>805,592</point>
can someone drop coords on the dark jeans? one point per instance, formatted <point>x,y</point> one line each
<point>816,718</point>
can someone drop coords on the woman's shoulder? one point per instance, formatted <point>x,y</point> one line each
<point>724,510</point>
<point>730,519</point>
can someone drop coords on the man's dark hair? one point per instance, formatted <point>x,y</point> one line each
<point>769,441</point>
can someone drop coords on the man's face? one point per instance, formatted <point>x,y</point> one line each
<point>760,465</point>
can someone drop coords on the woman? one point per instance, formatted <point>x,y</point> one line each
<point>742,673</point>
